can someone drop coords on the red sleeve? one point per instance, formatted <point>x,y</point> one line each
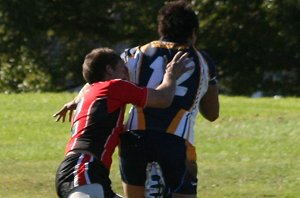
<point>122,92</point>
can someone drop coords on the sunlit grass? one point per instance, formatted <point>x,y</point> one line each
<point>252,150</point>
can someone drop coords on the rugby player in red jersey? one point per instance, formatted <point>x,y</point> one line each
<point>98,121</point>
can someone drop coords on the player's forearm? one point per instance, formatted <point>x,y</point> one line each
<point>167,88</point>
<point>163,95</point>
<point>209,104</point>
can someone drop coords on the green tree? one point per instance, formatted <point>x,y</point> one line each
<point>255,44</point>
<point>57,34</point>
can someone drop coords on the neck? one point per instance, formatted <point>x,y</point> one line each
<point>188,41</point>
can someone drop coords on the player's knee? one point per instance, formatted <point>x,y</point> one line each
<point>90,190</point>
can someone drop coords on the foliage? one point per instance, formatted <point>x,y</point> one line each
<point>255,44</point>
<point>57,34</point>
<point>22,75</point>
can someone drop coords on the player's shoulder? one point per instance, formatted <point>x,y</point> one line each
<point>209,60</point>
<point>120,83</point>
<point>205,55</point>
<point>117,82</point>
<point>129,52</point>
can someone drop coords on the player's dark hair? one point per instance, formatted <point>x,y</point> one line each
<point>94,65</point>
<point>176,19</point>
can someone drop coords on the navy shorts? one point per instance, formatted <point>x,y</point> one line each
<point>189,185</point>
<point>137,148</point>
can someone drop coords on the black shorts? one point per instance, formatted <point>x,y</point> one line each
<point>81,169</point>
<point>137,148</point>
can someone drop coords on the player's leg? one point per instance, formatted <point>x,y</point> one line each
<point>171,156</point>
<point>87,191</point>
<point>133,164</point>
<point>132,191</point>
<point>96,177</point>
<point>183,196</point>
<point>188,188</point>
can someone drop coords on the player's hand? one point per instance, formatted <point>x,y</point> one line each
<point>177,66</point>
<point>67,108</point>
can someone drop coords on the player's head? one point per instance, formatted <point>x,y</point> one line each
<point>176,19</point>
<point>103,64</point>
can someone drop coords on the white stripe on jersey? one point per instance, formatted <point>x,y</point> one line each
<point>185,127</point>
<point>86,168</point>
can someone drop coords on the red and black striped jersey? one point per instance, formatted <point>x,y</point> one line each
<point>99,117</point>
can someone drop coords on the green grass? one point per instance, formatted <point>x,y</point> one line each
<point>251,151</point>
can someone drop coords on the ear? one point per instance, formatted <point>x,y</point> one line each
<point>109,70</point>
<point>194,36</point>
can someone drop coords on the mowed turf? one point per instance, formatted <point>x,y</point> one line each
<point>252,150</point>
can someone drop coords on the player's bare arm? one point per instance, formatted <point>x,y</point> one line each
<point>209,104</point>
<point>163,95</point>
<point>70,106</point>
<point>160,97</point>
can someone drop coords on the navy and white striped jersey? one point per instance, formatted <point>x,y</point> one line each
<point>146,65</point>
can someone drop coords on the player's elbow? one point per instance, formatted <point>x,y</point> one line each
<point>212,117</point>
<point>158,100</point>
<point>164,102</point>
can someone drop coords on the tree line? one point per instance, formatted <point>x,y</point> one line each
<point>255,44</point>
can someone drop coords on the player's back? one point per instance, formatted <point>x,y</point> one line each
<point>146,66</point>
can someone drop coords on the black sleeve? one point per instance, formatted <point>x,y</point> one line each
<point>211,67</point>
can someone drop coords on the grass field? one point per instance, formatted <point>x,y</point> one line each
<point>251,151</point>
